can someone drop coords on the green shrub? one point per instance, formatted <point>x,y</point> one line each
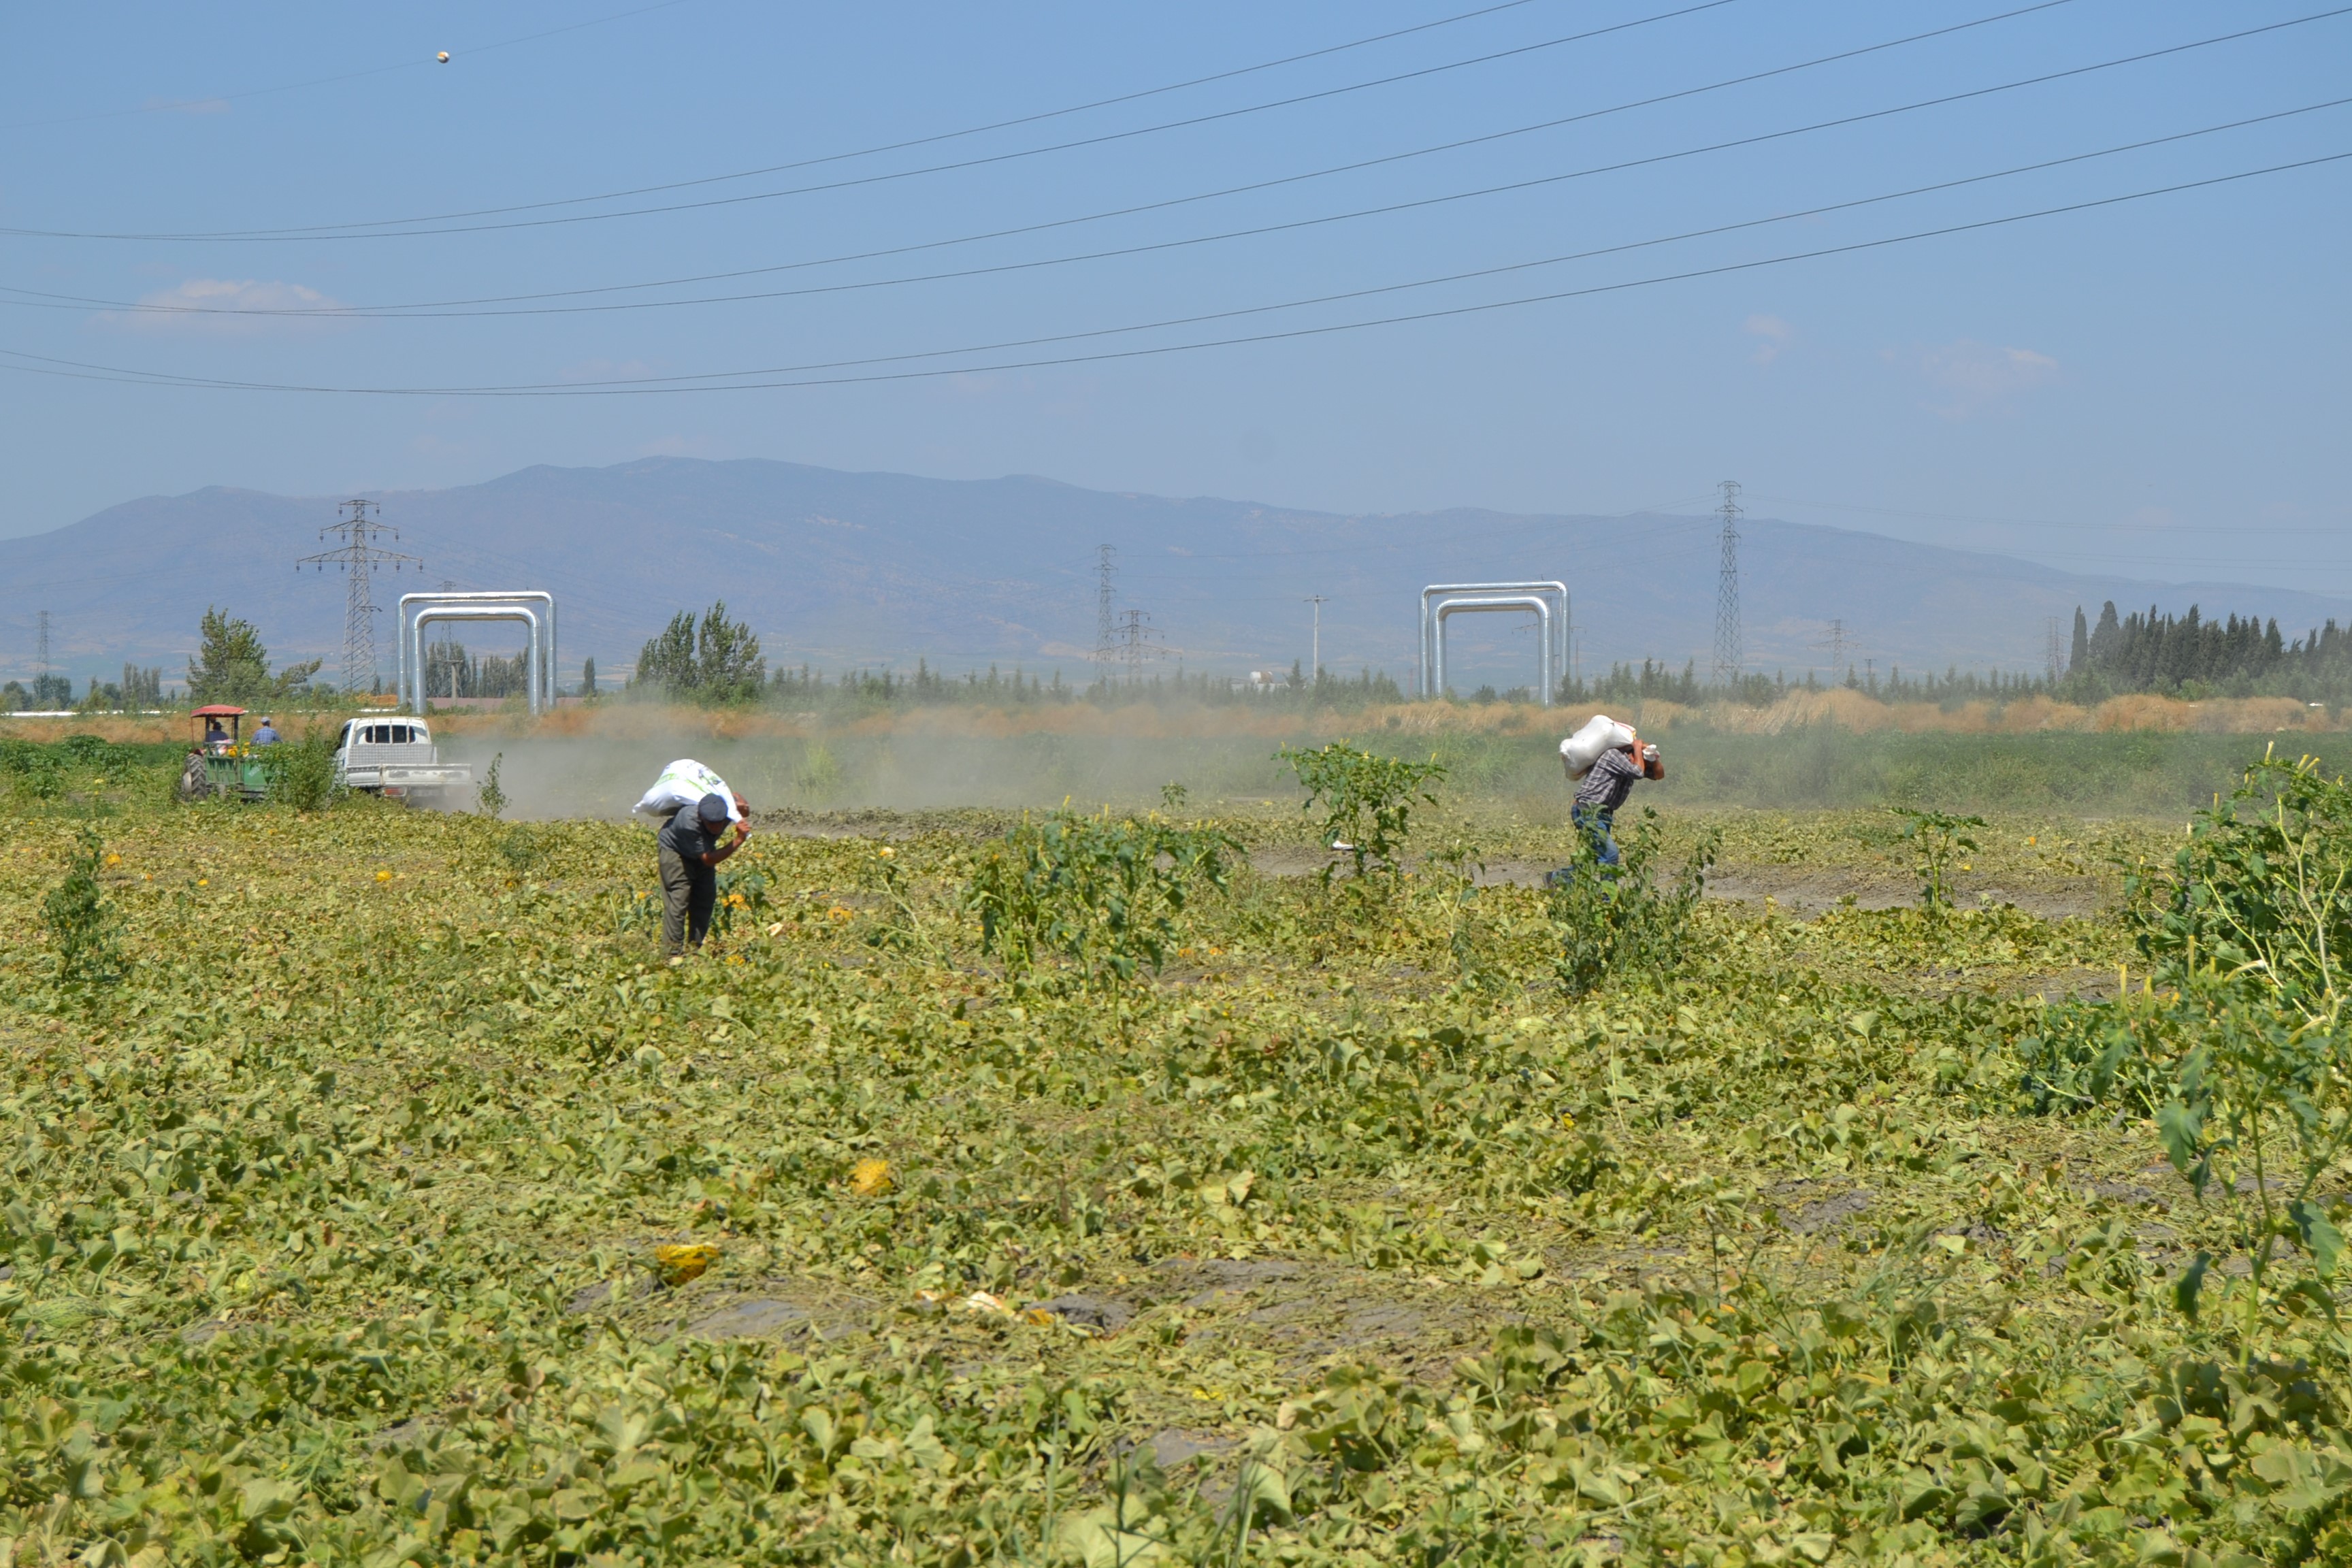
<point>490,800</point>
<point>1100,893</point>
<point>1366,800</point>
<point>1613,920</point>
<point>82,924</point>
<point>302,772</point>
<point>2258,902</point>
<point>1941,838</point>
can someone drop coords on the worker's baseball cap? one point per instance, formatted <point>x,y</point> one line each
<point>712,809</point>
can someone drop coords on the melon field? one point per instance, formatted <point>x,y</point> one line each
<point>1161,1186</point>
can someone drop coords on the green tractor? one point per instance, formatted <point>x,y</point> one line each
<point>222,764</point>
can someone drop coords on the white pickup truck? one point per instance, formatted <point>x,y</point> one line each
<point>394,756</point>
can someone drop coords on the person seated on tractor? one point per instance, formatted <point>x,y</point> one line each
<point>267,735</point>
<point>214,736</point>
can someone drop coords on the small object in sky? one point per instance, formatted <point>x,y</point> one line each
<point>443,56</point>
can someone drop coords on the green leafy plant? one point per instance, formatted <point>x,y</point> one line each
<point>301,774</point>
<point>745,896</point>
<point>1453,873</point>
<point>2258,902</point>
<point>1101,893</point>
<point>1939,839</point>
<point>1613,922</point>
<point>522,850</point>
<point>82,923</point>
<point>901,923</point>
<point>2261,1113</point>
<point>1366,801</point>
<point>489,799</point>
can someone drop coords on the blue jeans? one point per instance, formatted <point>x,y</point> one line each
<point>1597,823</point>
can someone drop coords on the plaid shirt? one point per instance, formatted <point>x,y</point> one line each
<point>1609,782</point>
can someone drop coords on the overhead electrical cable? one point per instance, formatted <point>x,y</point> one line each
<point>29,298</point>
<point>386,229</point>
<point>718,382</point>
<point>422,61</point>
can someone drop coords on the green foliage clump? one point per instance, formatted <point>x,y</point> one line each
<point>1366,801</point>
<point>1099,893</point>
<point>489,798</point>
<point>1616,920</point>
<point>302,772</point>
<point>2258,902</point>
<point>83,926</point>
<point>1940,839</point>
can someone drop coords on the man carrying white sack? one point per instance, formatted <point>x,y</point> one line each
<point>1604,759</point>
<point>695,807</point>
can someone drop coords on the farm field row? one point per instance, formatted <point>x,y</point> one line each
<point>376,1192</point>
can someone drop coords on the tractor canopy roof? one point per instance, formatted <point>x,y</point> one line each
<point>219,710</point>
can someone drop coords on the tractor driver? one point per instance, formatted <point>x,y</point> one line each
<point>692,844</point>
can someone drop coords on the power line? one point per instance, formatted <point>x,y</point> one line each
<point>398,228</point>
<point>467,309</point>
<point>429,307</point>
<point>50,365</point>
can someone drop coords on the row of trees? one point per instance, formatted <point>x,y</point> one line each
<point>2190,655</point>
<point>714,660</point>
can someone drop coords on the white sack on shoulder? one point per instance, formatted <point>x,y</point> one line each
<point>683,784</point>
<point>1600,733</point>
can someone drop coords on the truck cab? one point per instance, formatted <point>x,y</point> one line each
<point>393,755</point>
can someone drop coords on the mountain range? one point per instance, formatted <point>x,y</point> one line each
<point>839,570</point>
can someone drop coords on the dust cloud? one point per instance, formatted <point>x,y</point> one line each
<point>599,766</point>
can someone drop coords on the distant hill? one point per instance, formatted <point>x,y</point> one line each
<point>839,569</point>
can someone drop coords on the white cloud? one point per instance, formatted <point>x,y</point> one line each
<point>1772,333</point>
<point>1978,378</point>
<point>227,306</point>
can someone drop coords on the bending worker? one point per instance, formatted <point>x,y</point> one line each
<point>1604,787</point>
<point>693,842</point>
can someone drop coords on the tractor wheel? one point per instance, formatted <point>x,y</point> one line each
<point>193,786</point>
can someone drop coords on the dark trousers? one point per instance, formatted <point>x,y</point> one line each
<point>689,892</point>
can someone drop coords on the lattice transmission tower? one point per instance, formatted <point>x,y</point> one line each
<point>1135,638</point>
<point>1728,660</point>
<point>1106,615</point>
<point>358,557</point>
<point>1837,639</point>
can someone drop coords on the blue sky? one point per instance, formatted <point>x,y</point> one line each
<point>2155,386</point>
